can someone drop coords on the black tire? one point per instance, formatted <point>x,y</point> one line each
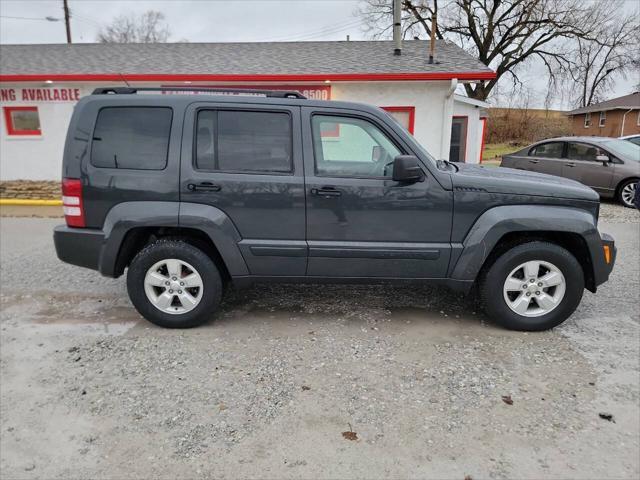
<point>181,250</point>
<point>494,277</point>
<point>621,191</point>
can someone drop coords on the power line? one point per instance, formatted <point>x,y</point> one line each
<point>318,33</point>
<point>50,19</point>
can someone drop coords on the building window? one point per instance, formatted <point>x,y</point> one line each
<point>405,116</point>
<point>587,120</point>
<point>603,119</point>
<point>22,121</point>
<point>638,122</point>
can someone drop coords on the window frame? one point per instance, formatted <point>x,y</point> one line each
<point>8,119</point>
<point>377,124</point>
<point>194,151</point>
<point>638,119</point>
<point>587,120</point>
<point>93,134</point>
<point>602,119</point>
<point>406,108</point>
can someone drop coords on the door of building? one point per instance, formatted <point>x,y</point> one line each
<point>458,148</point>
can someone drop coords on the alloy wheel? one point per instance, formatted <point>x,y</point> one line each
<point>173,286</point>
<point>628,192</point>
<point>534,288</point>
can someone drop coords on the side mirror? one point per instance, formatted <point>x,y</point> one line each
<point>406,169</point>
<point>603,158</point>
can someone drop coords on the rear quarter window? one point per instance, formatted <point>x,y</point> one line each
<point>135,138</point>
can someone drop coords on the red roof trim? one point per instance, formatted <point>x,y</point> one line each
<point>206,77</point>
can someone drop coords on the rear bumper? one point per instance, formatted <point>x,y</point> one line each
<point>603,262</point>
<point>79,246</point>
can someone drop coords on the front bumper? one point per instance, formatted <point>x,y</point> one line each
<point>605,259</point>
<point>79,246</point>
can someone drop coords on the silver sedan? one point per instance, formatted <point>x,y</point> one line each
<point>608,165</point>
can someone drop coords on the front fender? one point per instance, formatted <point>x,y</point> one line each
<point>496,222</point>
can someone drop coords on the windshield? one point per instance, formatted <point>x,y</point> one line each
<point>622,148</point>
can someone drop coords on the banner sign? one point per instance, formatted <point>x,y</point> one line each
<point>39,94</point>
<point>312,92</point>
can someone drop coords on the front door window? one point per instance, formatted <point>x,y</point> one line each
<point>351,147</point>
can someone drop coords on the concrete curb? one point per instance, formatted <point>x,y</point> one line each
<point>30,202</point>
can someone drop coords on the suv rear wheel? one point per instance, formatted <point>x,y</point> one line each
<point>174,284</point>
<point>533,286</point>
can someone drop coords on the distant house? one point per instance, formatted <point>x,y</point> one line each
<point>613,118</point>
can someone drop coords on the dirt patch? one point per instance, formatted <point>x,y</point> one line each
<point>26,189</point>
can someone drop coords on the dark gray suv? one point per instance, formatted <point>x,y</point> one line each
<point>195,191</point>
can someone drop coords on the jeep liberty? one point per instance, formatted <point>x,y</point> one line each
<point>190,191</point>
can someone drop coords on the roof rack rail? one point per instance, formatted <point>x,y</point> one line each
<point>228,91</point>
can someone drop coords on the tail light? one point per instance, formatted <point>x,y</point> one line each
<point>72,202</point>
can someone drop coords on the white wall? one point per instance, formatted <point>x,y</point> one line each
<point>428,98</point>
<point>40,158</point>
<point>474,129</point>
<point>36,157</point>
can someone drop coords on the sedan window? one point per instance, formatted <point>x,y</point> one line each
<point>583,151</point>
<point>547,150</point>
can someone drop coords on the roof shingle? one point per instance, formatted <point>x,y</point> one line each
<point>631,101</point>
<point>277,58</point>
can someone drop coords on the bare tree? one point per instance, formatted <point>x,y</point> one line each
<point>503,34</point>
<point>148,27</point>
<point>596,64</point>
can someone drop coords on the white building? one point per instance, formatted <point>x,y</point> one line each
<point>40,84</point>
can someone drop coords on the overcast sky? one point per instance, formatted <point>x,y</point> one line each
<point>195,20</point>
<point>211,21</point>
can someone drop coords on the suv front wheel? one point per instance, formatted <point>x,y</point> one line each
<point>174,284</point>
<point>533,286</point>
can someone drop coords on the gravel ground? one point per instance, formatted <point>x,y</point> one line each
<point>277,383</point>
<point>614,213</point>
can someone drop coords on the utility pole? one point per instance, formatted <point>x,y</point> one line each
<point>397,27</point>
<point>66,20</point>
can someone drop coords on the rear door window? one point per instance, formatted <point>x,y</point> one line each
<point>244,141</point>
<point>548,150</point>
<point>134,138</point>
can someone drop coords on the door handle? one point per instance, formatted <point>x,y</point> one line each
<point>326,192</point>
<point>534,161</point>
<point>203,187</point>
<point>569,164</point>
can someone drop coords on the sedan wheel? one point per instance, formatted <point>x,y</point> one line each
<point>628,192</point>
